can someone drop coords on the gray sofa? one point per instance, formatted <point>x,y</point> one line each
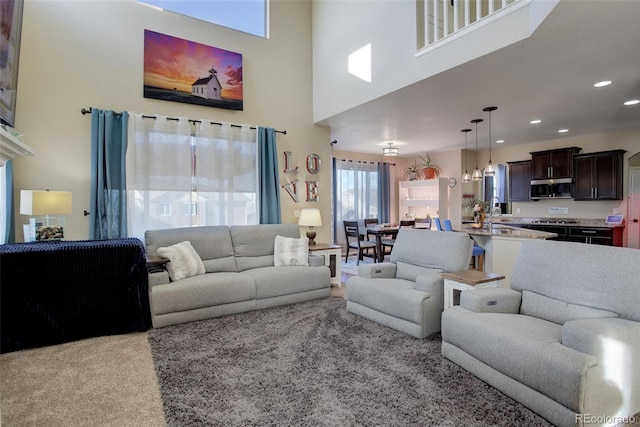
<point>239,273</point>
<point>564,340</point>
<point>407,293</point>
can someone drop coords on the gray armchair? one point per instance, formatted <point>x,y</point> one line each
<point>407,293</point>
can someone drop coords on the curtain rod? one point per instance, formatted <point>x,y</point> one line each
<point>85,111</point>
<point>363,161</point>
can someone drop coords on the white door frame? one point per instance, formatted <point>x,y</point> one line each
<point>633,208</point>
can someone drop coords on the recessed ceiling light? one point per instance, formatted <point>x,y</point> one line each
<point>535,122</point>
<point>602,83</point>
<point>500,141</point>
<point>563,130</point>
<point>632,102</point>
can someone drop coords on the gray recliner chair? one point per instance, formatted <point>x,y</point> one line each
<point>407,293</point>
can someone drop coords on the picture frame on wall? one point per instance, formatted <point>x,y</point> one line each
<point>180,70</point>
<point>10,34</point>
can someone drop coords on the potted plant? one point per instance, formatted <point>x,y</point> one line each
<point>413,172</point>
<point>428,170</point>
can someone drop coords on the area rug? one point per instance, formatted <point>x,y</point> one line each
<point>314,364</point>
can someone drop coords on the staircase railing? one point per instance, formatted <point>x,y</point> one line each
<point>440,19</point>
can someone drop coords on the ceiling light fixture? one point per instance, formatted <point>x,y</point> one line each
<point>477,175</point>
<point>535,122</point>
<point>490,169</point>
<point>632,102</point>
<point>602,83</point>
<point>390,150</point>
<point>466,177</point>
<point>500,141</point>
<point>563,130</point>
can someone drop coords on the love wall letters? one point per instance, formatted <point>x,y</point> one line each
<point>291,187</point>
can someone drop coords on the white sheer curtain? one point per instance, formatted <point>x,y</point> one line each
<point>356,195</point>
<point>159,173</point>
<point>226,174</point>
<point>183,173</point>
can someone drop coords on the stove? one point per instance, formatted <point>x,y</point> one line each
<point>554,222</point>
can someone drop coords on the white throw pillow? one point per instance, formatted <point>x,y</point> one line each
<point>185,261</point>
<point>290,251</point>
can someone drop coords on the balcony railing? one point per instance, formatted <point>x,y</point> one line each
<point>440,19</point>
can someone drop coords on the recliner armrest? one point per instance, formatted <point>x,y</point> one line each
<point>501,300</point>
<point>381,270</point>
<point>159,278</point>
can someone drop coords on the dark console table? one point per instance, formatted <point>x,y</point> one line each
<point>59,291</point>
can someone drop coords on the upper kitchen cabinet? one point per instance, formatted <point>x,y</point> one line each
<point>599,175</point>
<point>553,163</point>
<point>520,181</point>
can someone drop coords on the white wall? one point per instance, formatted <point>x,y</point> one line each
<point>77,54</point>
<point>342,27</point>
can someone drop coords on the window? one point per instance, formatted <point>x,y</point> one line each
<point>208,172</point>
<point>249,16</point>
<point>356,193</point>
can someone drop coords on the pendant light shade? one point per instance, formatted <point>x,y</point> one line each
<point>466,177</point>
<point>490,169</point>
<point>390,150</point>
<point>477,175</point>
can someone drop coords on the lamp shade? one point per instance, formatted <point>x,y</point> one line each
<point>310,218</point>
<point>37,202</point>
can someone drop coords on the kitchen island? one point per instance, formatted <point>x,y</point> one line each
<point>501,245</point>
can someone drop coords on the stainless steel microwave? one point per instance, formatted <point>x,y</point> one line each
<point>551,189</point>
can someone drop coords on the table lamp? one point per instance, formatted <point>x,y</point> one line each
<point>44,204</point>
<point>310,218</point>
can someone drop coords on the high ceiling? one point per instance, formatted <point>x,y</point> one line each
<point>549,76</point>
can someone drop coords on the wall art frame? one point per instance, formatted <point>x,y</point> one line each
<point>184,71</point>
<point>10,35</point>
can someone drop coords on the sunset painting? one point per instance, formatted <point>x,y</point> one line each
<point>184,71</point>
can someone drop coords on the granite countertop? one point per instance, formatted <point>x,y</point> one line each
<point>566,222</point>
<point>500,230</point>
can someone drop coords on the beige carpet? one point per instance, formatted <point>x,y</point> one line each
<point>105,381</point>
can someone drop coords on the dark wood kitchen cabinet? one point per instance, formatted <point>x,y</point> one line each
<point>553,163</point>
<point>598,176</point>
<point>520,181</point>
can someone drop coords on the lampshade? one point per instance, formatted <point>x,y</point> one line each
<point>38,202</point>
<point>477,175</point>
<point>490,169</point>
<point>390,150</point>
<point>310,218</point>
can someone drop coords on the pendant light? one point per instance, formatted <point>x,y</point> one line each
<point>390,150</point>
<point>466,177</point>
<point>477,175</point>
<point>490,169</point>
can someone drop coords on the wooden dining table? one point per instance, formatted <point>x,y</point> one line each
<point>380,231</point>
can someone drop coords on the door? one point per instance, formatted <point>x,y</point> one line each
<point>633,209</point>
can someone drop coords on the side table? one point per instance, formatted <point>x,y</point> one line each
<point>459,281</point>
<point>331,254</point>
<point>156,263</point>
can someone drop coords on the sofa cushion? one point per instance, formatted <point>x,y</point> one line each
<point>558,311</point>
<point>408,271</point>
<point>284,280</point>
<point>605,277</point>
<point>395,297</point>
<point>184,261</point>
<point>206,290</point>
<point>212,243</point>
<point>527,349</point>
<point>291,251</point>
<point>253,244</point>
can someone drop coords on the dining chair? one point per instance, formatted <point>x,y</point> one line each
<point>423,223</point>
<point>437,223</point>
<point>370,221</point>
<point>356,241</point>
<point>447,225</point>
<point>388,243</point>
